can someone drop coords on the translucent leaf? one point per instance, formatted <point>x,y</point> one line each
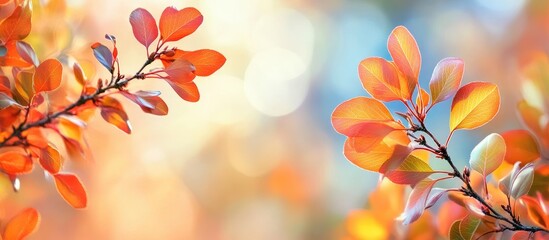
<point>70,188</point>
<point>47,76</point>
<point>188,91</point>
<point>521,146</point>
<point>22,225</point>
<point>405,53</point>
<point>468,227</point>
<point>17,26</point>
<point>474,105</point>
<point>357,110</point>
<point>422,100</point>
<point>180,71</point>
<point>380,78</point>
<point>373,156</point>
<point>446,79</point>
<point>50,159</point>
<point>411,171</point>
<point>79,74</point>
<point>143,26</point>
<point>205,61</point>
<point>15,162</point>
<point>454,233</point>
<point>113,113</point>
<point>175,24</point>
<point>488,154</point>
<point>417,201</point>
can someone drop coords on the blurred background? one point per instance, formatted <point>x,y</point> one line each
<point>256,157</point>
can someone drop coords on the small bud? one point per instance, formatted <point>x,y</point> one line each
<point>169,53</point>
<point>485,210</point>
<point>99,83</point>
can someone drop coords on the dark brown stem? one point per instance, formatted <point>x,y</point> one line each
<point>119,83</point>
<point>468,190</point>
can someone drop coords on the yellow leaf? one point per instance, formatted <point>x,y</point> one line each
<point>474,105</point>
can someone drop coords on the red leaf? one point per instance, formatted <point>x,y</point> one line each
<point>180,71</point>
<point>143,26</point>
<point>17,26</point>
<point>71,189</point>
<point>14,162</point>
<point>22,225</point>
<point>149,101</point>
<point>50,159</point>
<point>113,112</point>
<point>175,25</point>
<point>205,61</point>
<point>47,76</point>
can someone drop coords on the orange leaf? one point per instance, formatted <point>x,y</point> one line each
<point>47,76</point>
<point>380,78</point>
<point>422,100</point>
<point>14,162</point>
<point>50,159</point>
<point>370,155</point>
<point>521,146</point>
<point>357,110</point>
<point>11,57</point>
<point>17,26</point>
<point>405,53</point>
<point>175,25</point>
<point>22,225</point>
<point>79,73</point>
<point>446,79</point>
<point>143,26</point>
<point>474,105</point>
<point>113,112</point>
<point>187,91</point>
<point>205,61</point>
<point>372,129</point>
<point>71,189</point>
<point>531,116</point>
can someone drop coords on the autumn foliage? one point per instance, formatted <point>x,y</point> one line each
<point>31,108</point>
<point>496,195</point>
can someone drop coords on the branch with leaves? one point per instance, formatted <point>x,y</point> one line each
<point>396,148</point>
<point>29,107</point>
